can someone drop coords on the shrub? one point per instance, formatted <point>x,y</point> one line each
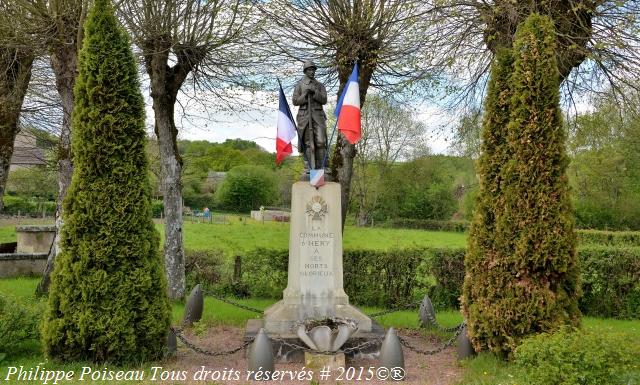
<point>574,357</point>
<point>157,208</point>
<point>18,323</point>
<point>427,224</point>
<point>610,281</point>
<point>371,277</point>
<point>610,276</point>
<point>265,272</point>
<point>14,205</point>
<point>382,277</point>
<point>107,300</point>
<point>206,267</point>
<point>246,188</point>
<point>613,238</point>
<point>447,267</point>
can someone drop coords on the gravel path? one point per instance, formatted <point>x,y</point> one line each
<point>438,369</point>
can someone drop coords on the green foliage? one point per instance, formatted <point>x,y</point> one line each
<point>107,300</point>
<point>427,224</point>
<point>604,172</point>
<point>478,292</point>
<point>246,188</point>
<point>33,182</point>
<point>205,267</point>
<point>157,208</point>
<point>264,271</point>
<point>372,277</point>
<point>610,238</point>
<point>447,267</point>
<point>526,280</point>
<point>574,357</point>
<point>610,281</point>
<point>420,189</point>
<point>18,323</point>
<point>25,205</point>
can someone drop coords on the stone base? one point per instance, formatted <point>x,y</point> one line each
<point>281,318</point>
<point>284,353</point>
<point>318,362</point>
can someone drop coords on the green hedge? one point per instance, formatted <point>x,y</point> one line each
<point>24,206</point>
<point>610,276</point>
<point>610,281</point>
<point>157,208</point>
<point>612,238</point>
<point>428,224</point>
<point>371,277</point>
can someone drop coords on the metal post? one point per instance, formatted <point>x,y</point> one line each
<point>312,145</point>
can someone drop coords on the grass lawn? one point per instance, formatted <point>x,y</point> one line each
<point>237,236</point>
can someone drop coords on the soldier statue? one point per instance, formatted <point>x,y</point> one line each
<point>311,95</point>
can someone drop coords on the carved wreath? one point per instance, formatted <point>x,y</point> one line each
<point>316,207</point>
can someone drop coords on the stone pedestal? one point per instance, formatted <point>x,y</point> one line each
<point>315,286</point>
<point>35,239</point>
<point>319,361</point>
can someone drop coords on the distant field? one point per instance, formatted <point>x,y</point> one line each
<point>237,236</point>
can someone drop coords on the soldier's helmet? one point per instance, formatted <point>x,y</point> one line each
<point>308,64</point>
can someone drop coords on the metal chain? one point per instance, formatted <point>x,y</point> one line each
<point>435,351</point>
<point>190,345</point>
<point>411,305</point>
<point>292,346</point>
<point>435,323</point>
<point>364,345</point>
<point>241,306</point>
<point>431,318</point>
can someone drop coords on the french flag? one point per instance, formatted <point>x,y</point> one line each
<point>348,109</point>
<point>286,129</point>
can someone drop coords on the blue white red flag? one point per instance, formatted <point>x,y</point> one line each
<point>316,177</point>
<point>286,129</point>
<point>348,109</point>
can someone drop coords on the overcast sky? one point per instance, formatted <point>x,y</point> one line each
<point>257,120</point>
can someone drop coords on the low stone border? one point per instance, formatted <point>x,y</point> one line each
<point>20,264</point>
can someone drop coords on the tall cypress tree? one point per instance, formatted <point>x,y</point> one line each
<point>483,251</point>
<point>108,293</point>
<point>530,278</point>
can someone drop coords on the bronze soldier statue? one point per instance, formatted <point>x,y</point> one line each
<point>311,95</point>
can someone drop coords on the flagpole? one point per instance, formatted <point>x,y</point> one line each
<point>326,153</point>
<point>324,161</point>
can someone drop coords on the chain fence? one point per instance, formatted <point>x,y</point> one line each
<point>179,334</point>
<point>446,345</point>
<point>178,331</point>
<point>232,303</point>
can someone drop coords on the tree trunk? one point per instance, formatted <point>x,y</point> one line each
<point>171,171</point>
<point>64,58</point>
<point>165,83</point>
<point>572,20</point>
<point>15,73</point>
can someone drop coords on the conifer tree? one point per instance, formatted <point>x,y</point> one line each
<point>483,248</point>
<point>108,298</point>
<point>527,281</point>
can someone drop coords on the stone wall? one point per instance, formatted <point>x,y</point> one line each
<point>21,264</point>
